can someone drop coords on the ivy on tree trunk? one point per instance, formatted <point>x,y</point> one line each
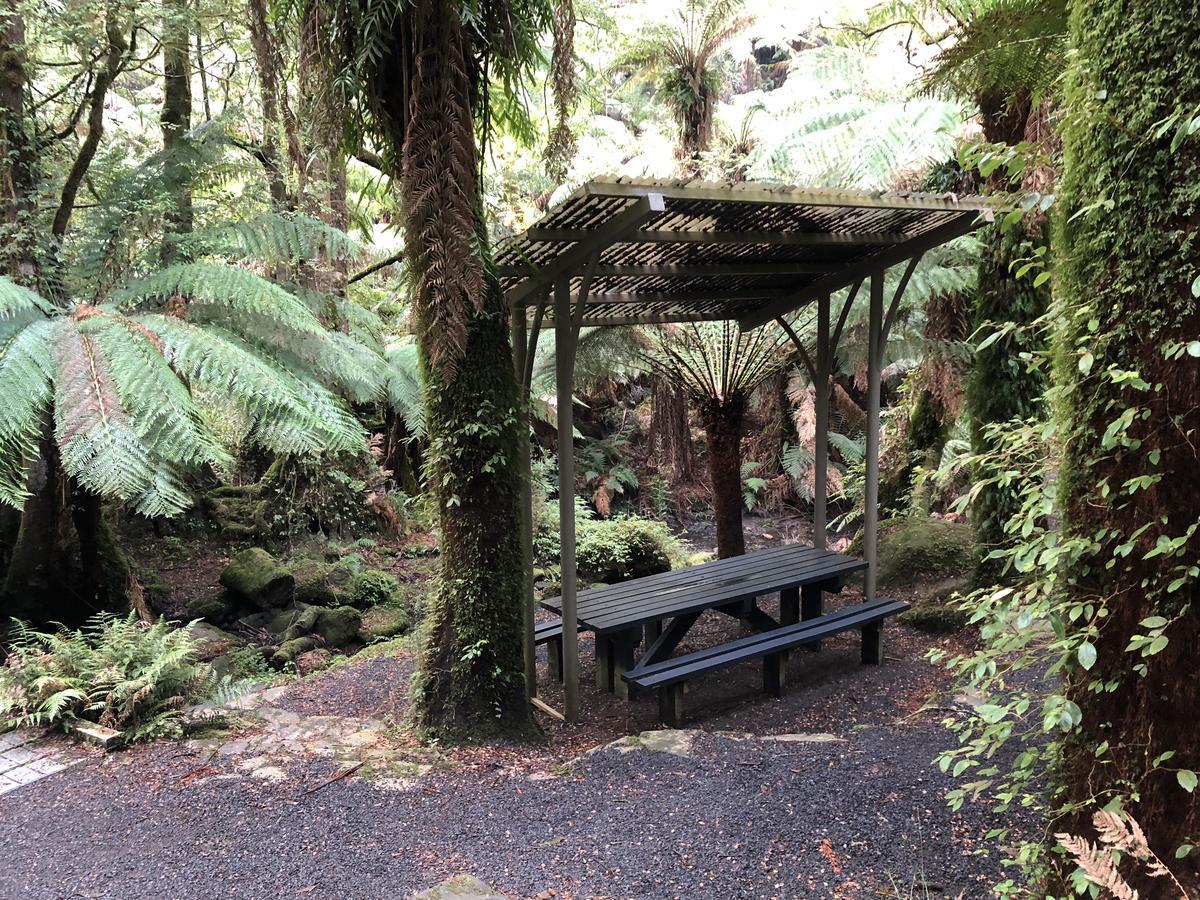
<point>1126,285</point>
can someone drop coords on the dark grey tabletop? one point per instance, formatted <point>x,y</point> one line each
<point>718,583</point>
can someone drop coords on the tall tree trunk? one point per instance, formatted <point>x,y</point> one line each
<point>269,64</point>
<point>471,676</point>
<point>322,175</point>
<point>1125,285</point>
<point>176,118</point>
<point>670,431</point>
<point>1000,386</point>
<point>722,422</point>
<point>114,61</point>
<point>18,155</point>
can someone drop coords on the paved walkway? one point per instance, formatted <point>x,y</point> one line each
<point>26,757</point>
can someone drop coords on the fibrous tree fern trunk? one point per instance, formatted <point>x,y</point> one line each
<point>472,665</point>
<point>722,421</point>
<point>1125,280</point>
<point>670,434</point>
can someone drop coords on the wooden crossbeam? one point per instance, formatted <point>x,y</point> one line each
<point>588,245</point>
<point>851,273</point>
<point>679,236</point>
<point>683,270</point>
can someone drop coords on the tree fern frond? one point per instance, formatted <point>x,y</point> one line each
<point>98,444</point>
<point>405,386</point>
<point>26,386</point>
<point>20,304</point>
<point>162,409</point>
<point>284,416</point>
<point>271,237</point>
<point>219,293</point>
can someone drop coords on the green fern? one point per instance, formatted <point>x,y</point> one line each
<point>116,671</point>
<point>272,237</point>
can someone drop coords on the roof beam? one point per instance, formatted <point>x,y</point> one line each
<point>588,244</point>
<point>684,270</point>
<point>853,272</point>
<point>775,238</point>
<point>767,293</point>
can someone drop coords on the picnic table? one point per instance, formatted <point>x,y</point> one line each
<point>659,610</point>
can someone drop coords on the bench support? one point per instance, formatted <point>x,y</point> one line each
<point>620,659</point>
<point>554,657</point>
<point>812,606</point>
<point>774,673</point>
<point>670,704</point>
<point>872,644</point>
<point>666,642</point>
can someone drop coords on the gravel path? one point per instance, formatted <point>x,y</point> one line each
<point>739,817</point>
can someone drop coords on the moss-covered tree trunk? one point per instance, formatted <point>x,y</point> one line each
<point>1125,281</point>
<point>722,421</point>
<point>471,678</point>
<point>1000,386</point>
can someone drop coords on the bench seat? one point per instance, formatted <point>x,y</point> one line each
<point>770,646</point>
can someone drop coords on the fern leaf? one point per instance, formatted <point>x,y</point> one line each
<point>19,303</point>
<point>273,237</point>
<point>162,409</point>
<point>25,385</point>
<point>98,444</point>
<point>223,294</point>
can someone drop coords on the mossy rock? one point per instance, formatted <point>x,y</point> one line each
<point>217,608</point>
<point>917,548</point>
<point>339,626</point>
<point>935,618</point>
<point>296,621</point>
<point>312,581</point>
<point>382,622</point>
<point>373,587</point>
<point>255,575</point>
<point>289,650</point>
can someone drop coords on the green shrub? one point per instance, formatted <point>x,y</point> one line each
<point>115,671</point>
<point>373,587</point>
<point>611,550</point>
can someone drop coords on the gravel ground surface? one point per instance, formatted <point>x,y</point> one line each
<point>740,817</point>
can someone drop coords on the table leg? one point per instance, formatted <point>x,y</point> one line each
<point>653,631</point>
<point>603,663</point>
<point>621,656</point>
<point>789,606</point>
<point>812,606</point>
<point>665,644</point>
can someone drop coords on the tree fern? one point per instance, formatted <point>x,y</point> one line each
<point>219,293</point>
<point>26,385</point>
<point>272,237</point>
<point>404,386</point>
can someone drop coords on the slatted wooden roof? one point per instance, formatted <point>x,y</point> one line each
<point>645,251</point>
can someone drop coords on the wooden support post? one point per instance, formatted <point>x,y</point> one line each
<point>821,456</point>
<point>519,349</point>
<point>789,606</point>
<point>874,376</point>
<point>872,644</point>
<point>564,347</point>
<point>670,704</point>
<point>774,673</point>
<point>554,657</point>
